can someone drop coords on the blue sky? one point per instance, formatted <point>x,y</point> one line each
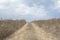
<point>29,9</point>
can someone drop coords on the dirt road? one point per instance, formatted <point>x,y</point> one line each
<point>31,31</point>
<point>41,34</point>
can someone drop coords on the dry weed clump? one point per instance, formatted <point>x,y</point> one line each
<point>50,26</point>
<point>8,27</point>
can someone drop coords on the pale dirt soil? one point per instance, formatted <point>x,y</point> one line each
<point>41,34</point>
<point>18,35</point>
<point>8,27</point>
<point>37,30</point>
<point>31,31</point>
<point>26,33</point>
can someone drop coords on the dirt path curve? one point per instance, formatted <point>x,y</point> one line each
<point>25,33</point>
<point>41,34</point>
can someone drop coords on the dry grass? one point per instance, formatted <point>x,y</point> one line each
<point>51,26</point>
<point>8,27</point>
<point>42,34</point>
<point>25,33</point>
<point>44,29</point>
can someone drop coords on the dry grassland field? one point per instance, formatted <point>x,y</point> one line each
<point>35,30</point>
<point>7,27</point>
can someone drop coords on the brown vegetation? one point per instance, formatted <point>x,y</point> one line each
<point>8,27</point>
<point>50,26</point>
<point>44,28</point>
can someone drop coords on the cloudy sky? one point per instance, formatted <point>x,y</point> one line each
<point>29,9</point>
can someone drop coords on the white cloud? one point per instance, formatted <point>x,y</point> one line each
<point>22,9</point>
<point>4,7</point>
<point>19,8</point>
<point>35,11</point>
<point>3,1</point>
<point>13,0</point>
<point>7,1</point>
<point>57,4</point>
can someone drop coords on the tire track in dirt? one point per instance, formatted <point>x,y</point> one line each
<point>18,35</point>
<point>41,34</point>
<point>25,33</point>
<point>31,31</point>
